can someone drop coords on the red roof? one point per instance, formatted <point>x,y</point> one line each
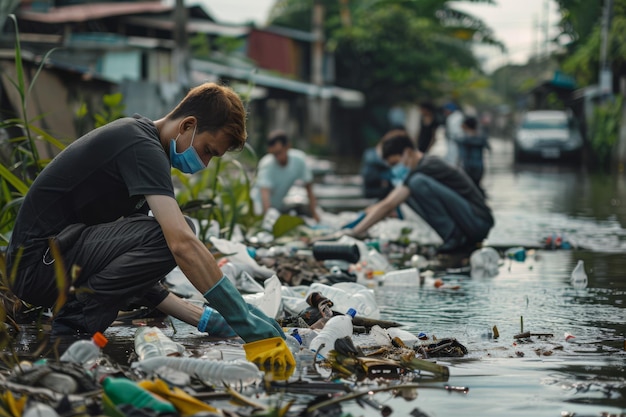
<point>92,11</point>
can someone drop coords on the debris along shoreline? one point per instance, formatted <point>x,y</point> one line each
<point>363,355</point>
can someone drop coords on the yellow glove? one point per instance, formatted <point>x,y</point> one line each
<point>271,355</point>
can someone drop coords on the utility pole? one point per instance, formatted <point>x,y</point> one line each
<point>605,80</point>
<point>319,106</point>
<point>546,29</point>
<point>180,54</point>
<point>535,40</point>
<point>317,76</point>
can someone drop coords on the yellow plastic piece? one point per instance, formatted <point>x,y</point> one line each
<point>272,355</point>
<point>14,407</point>
<point>185,404</point>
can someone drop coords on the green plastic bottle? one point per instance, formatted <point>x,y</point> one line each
<point>124,391</point>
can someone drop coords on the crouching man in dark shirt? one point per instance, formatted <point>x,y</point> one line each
<point>443,195</point>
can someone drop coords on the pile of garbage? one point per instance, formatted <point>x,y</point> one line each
<point>320,292</point>
<point>347,351</point>
<point>322,295</point>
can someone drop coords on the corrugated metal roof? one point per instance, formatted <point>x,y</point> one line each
<point>289,33</point>
<point>193,26</point>
<point>92,11</point>
<point>348,98</point>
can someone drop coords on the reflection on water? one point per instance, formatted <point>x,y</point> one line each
<point>507,377</point>
<point>547,376</point>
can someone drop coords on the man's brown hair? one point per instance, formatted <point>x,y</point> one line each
<point>395,142</point>
<point>216,107</point>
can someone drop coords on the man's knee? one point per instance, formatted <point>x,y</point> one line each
<point>420,183</point>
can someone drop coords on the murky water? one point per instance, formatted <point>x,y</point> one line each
<point>585,375</point>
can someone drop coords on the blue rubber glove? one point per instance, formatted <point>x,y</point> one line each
<point>265,344</point>
<point>353,223</point>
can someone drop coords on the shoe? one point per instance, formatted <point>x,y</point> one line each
<point>457,246</point>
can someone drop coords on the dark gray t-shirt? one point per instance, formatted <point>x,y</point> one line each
<point>102,176</point>
<point>455,179</point>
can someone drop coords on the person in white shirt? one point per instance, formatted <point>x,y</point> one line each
<point>454,132</point>
<point>277,172</point>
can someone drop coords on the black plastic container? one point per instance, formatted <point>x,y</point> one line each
<point>335,250</point>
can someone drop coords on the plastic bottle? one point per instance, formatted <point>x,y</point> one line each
<point>346,295</point>
<point>210,371</point>
<point>304,357</point>
<point>376,261</point>
<point>304,335</point>
<point>150,342</point>
<point>336,328</point>
<point>517,254</point>
<point>403,277</point>
<point>85,352</point>
<point>271,215</point>
<point>40,410</point>
<point>406,337</point>
<point>484,263</point>
<point>215,324</point>
<point>294,343</point>
<point>579,276</point>
<point>59,382</point>
<point>336,250</point>
<point>124,391</point>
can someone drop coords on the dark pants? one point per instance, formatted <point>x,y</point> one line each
<point>114,262</point>
<point>449,214</point>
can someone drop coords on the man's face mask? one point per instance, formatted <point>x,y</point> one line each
<point>187,161</point>
<point>400,171</point>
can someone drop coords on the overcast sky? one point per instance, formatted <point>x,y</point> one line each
<point>519,24</point>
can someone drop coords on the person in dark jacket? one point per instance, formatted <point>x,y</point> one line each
<point>471,150</point>
<point>428,126</point>
<point>85,244</point>
<point>376,174</point>
<point>443,195</point>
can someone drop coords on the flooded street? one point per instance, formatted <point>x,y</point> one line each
<point>549,376</point>
<point>585,375</point>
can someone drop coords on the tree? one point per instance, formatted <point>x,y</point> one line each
<point>579,19</point>
<point>394,51</point>
<point>580,23</point>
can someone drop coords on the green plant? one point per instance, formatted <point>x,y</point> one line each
<point>221,193</point>
<point>22,163</point>
<point>605,128</point>
<point>113,109</point>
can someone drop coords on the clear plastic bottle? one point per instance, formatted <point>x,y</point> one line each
<point>304,335</point>
<point>579,276</point>
<point>59,382</point>
<point>210,371</point>
<point>403,277</point>
<point>517,253</point>
<point>271,215</point>
<point>124,391</point>
<point>376,261</point>
<point>40,410</point>
<point>150,342</point>
<point>336,328</point>
<point>85,352</point>
<point>215,324</point>
<point>484,263</point>
<point>346,295</point>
